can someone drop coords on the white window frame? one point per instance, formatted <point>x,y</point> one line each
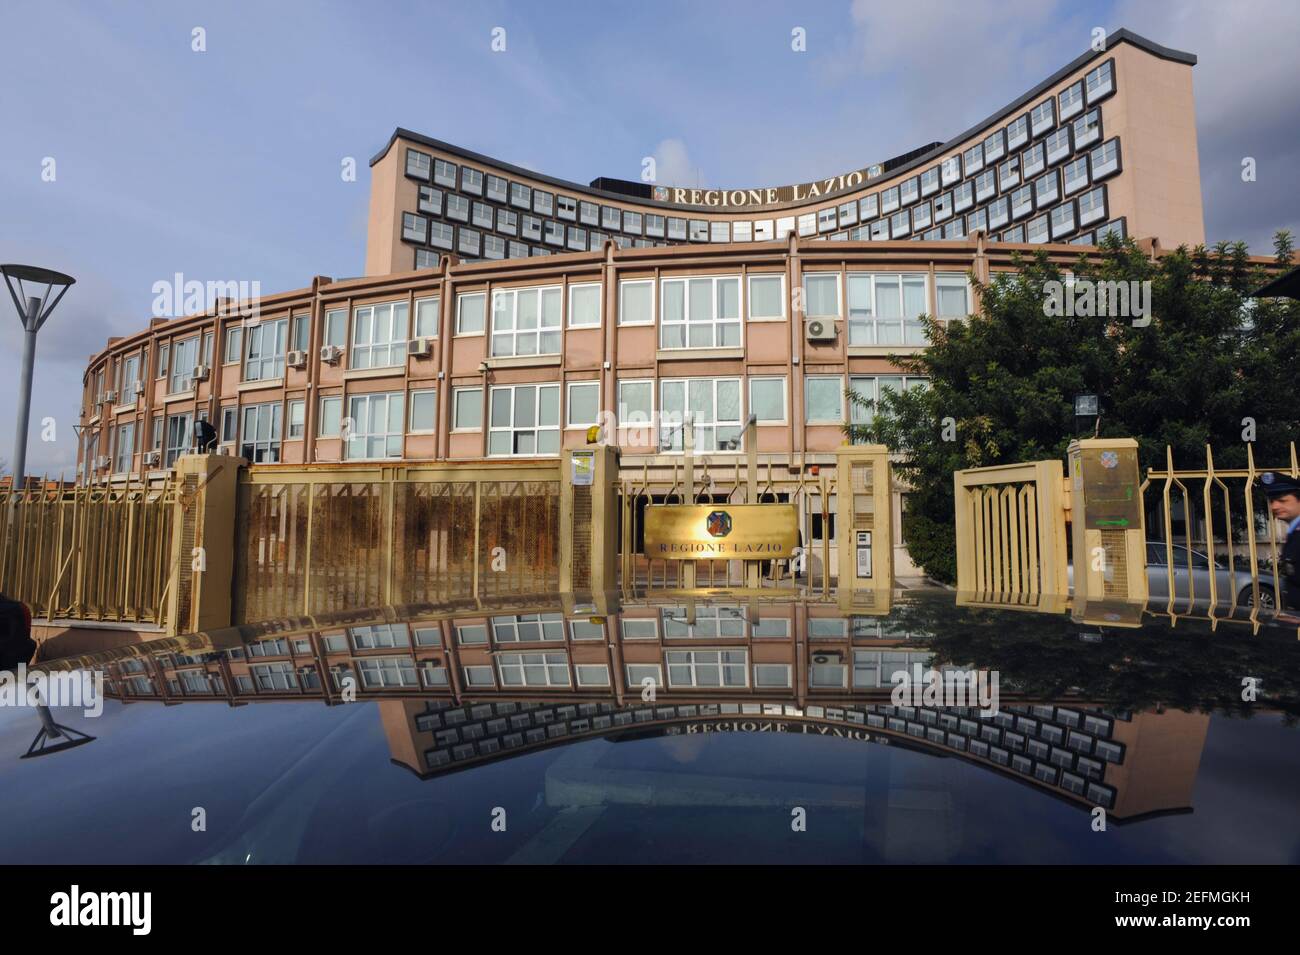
<point>475,395</point>
<point>184,356</point>
<point>536,427</point>
<point>873,322</point>
<point>569,319</point>
<point>839,380</point>
<point>384,347</point>
<point>514,333</point>
<point>839,294</point>
<point>622,286</point>
<point>358,432</point>
<point>461,299</point>
<point>569,423</point>
<point>434,303</point>
<point>320,421</point>
<point>694,659</point>
<point>296,406</point>
<point>749,296</point>
<point>673,427</point>
<point>410,411</point>
<point>519,663</point>
<point>785,398</point>
<point>716,324</point>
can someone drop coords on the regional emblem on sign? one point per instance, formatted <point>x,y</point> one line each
<point>1110,459</point>
<point>718,523</point>
<point>661,193</point>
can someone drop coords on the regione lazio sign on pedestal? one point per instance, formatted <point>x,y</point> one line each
<point>705,531</point>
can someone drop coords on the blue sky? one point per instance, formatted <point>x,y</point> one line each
<point>225,164</point>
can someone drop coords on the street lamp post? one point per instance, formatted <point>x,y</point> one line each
<point>33,310</point>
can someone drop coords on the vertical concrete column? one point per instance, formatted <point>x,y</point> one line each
<point>203,543</point>
<point>589,519</point>
<point>864,518</point>
<point>1107,532</point>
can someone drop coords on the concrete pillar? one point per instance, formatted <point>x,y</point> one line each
<point>589,519</point>
<point>203,543</point>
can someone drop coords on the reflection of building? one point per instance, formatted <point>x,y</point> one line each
<point>458,690</point>
<point>504,312</point>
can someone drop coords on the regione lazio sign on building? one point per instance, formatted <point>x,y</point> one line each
<point>768,196</point>
<point>704,531</point>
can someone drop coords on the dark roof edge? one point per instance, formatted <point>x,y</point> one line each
<point>1121,35</point>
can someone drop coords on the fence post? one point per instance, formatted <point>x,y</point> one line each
<point>203,543</point>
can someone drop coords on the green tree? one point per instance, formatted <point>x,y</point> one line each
<point>1002,383</point>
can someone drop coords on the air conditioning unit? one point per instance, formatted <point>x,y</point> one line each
<point>820,329</point>
<point>296,359</point>
<point>826,657</point>
<point>135,391</point>
<point>110,397</point>
<point>330,354</point>
<point>419,347</point>
<point>227,449</point>
<point>102,462</point>
<point>200,373</point>
<point>152,459</point>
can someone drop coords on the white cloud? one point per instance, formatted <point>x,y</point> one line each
<point>673,166</point>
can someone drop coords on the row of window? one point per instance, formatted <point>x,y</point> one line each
<point>973,175</point>
<point>522,420</point>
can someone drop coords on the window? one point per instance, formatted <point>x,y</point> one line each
<point>424,405</point>
<point>1009,174</point>
<point>963,196</point>
<point>233,340</point>
<point>984,185</point>
<point>1058,145</point>
<point>481,215</point>
<point>524,420</point>
<point>973,159</point>
<point>635,403</point>
<point>929,181</point>
<point>379,672</point>
<point>868,207</point>
<point>336,327</point>
<point>467,409</point>
<point>1022,202</point>
<point>1062,220</point>
<point>521,195</point>
<point>1071,100</point>
<point>676,228</point>
<point>418,164</point>
<point>1034,161</point>
<point>260,435</point>
<point>824,399</point>
<point>952,294</point>
<point>771,675</point>
<point>376,425</point>
<point>301,332</point>
<point>526,321</point>
<point>426,318</point>
<point>584,305</point>
<point>496,188</point>
<point>467,242</point>
<point>1047,189</point>
<point>1036,229</point>
<point>951,170</point>
<point>590,674</point>
<point>508,221</point>
<point>577,239</point>
<point>699,230</point>
<point>900,224</point>
<point>379,336</point>
<point>156,441</point>
<point>707,668</point>
<point>469,313</point>
<point>331,413</point>
<point>430,200</point>
<point>885,308</point>
<point>889,200</point>
<point>921,215</point>
<point>636,302</point>
<point>766,297</point>
<point>297,419</point>
<point>871,387</point>
<point>533,669</point>
<point>440,236</point>
<point>567,208</point>
<point>1076,175</point>
<point>264,357</point>
<point>821,294</point>
<point>995,146</point>
<point>457,208</point>
<point>713,403</point>
<point>1092,206</point>
<point>643,674</point>
<point>178,437</point>
<point>414,228</point>
<point>478,676</point>
<point>654,225</point>
<point>1100,81</point>
<point>1043,117</point>
<point>583,403</point>
<point>229,424</point>
<point>471,181</point>
<point>767,400</point>
<point>131,384</point>
<point>721,231</point>
<point>163,353</point>
<point>999,212</point>
<point>125,447</point>
<point>699,312</point>
<point>185,355</point>
<point>908,192</point>
<point>553,232</point>
<point>1105,159</point>
<point>1018,133</point>
<point>588,213</point>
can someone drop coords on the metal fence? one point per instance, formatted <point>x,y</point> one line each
<point>1215,546</point>
<point>322,540</point>
<point>92,553</point>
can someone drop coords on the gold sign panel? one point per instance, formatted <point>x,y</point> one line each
<point>715,531</point>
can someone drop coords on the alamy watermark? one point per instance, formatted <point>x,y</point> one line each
<point>1087,298</point>
<point>179,296</point>
<point>81,689</point>
<point>949,687</point>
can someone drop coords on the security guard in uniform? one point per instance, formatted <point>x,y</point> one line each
<point>1283,493</point>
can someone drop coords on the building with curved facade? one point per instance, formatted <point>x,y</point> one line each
<point>503,313</point>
